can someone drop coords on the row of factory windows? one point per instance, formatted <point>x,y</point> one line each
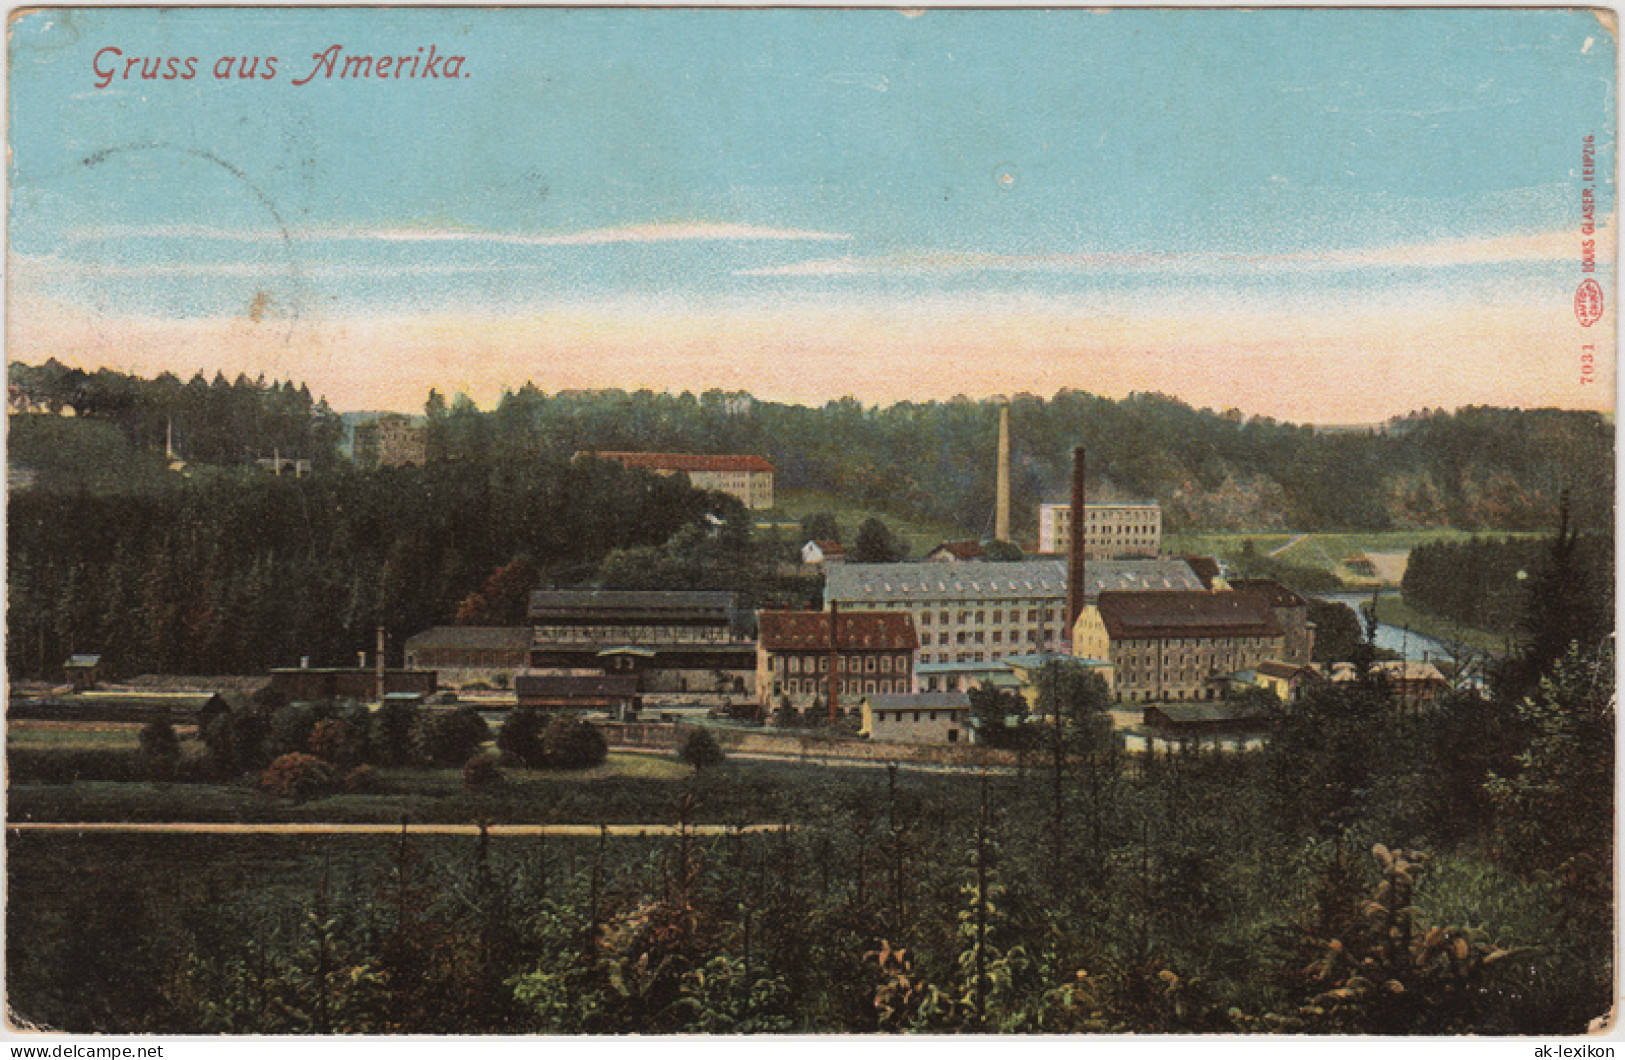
<point>977,637</point>
<point>573,634</point>
<point>797,686</point>
<point>796,664</point>
<point>923,618</point>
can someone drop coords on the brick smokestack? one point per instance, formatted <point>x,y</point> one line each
<point>834,662</point>
<point>380,663</point>
<point>1001,509</point>
<point>1074,570</point>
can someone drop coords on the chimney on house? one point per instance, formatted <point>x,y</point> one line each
<point>1075,596</point>
<point>1001,516</point>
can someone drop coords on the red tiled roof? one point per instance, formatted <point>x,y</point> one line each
<point>1163,615</point>
<point>809,631</point>
<point>686,461</point>
<point>961,549</point>
<point>829,548</point>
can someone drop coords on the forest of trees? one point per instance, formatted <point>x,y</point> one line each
<point>209,421</point>
<point>1479,582</point>
<point>237,573</point>
<point>1474,468</point>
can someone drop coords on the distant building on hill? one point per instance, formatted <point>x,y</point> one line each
<point>750,478</point>
<point>1111,531</point>
<point>392,440</point>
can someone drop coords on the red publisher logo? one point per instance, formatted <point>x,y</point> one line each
<point>1588,303</point>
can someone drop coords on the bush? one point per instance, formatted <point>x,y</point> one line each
<point>235,742</point>
<point>570,743</point>
<point>449,737</point>
<point>298,777</point>
<point>390,740</point>
<point>160,749</point>
<point>520,740</point>
<point>362,780</point>
<point>481,772</point>
<point>337,741</point>
<point>291,728</point>
<point>700,749</point>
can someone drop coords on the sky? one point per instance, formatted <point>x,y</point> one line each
<point>1330,216</point>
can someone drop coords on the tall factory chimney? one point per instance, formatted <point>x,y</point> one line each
<point>1001,516</point>
<point>1074,570</point>
<point>380,662</point>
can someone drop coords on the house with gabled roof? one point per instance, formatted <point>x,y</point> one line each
<point>809,655</point>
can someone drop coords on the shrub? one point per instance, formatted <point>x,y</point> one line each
<point>390,740</point>
<point>449,737</point>
<point>236,741</point>
<point>291,728</point>
<point>362,780</point>
<point>299,777</point>
<point>337,741</point>
<point>570,743</point>
<point>160,749</point>
<point>481,772</point>
<point>520,740</point>
<point>700,749</point>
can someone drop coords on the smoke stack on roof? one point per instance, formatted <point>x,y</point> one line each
<point>1075,568</point>
<point>1001,511</point>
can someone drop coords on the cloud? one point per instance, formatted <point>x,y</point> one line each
<point>56,267</point>
<point>668,232</point>
<point>1551,246</point>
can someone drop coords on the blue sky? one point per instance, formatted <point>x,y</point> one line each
<point>1137,199</point>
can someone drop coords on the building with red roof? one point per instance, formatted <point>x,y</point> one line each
<point>871,652</point>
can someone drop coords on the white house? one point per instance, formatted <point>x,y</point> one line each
<point>930,717</point>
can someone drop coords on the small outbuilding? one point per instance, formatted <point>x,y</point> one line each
<point>82,671</point>
<point>928,717</point>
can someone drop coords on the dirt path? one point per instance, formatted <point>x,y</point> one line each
<point>1277,551</point>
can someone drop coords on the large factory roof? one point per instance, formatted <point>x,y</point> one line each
<point>859,583</point>
<point>1177,615</point>
<point>639,608</point>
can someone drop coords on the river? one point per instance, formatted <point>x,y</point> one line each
<point>1411,645</point>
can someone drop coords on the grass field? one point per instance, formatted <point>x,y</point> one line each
<point>107,736</point>
<point>1326,552</point>
<point>1391,610</point>
<point>920,535</point>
